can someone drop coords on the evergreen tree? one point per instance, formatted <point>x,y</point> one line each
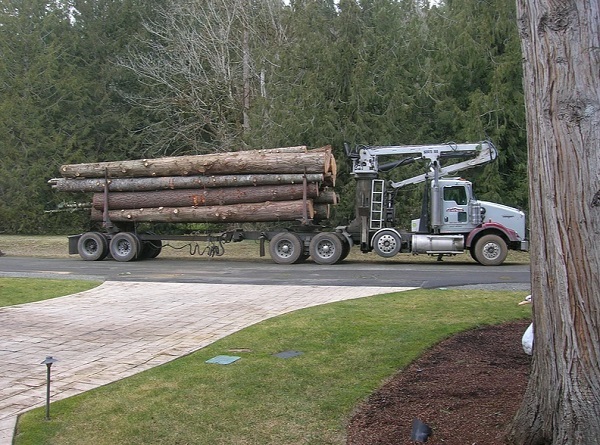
<point>218,75</point>
<point>57,103</point>
<point>38,89</point>
<point>478,89</point>
<point>301,84</point>
<point>109,125</point>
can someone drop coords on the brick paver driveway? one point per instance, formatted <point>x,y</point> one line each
<point>122,328</point>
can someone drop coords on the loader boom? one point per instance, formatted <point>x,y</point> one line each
<point>366,158</point>
<point>486,154</point>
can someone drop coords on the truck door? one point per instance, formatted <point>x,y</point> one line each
<point>455,209</point>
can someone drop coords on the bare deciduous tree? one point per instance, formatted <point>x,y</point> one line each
<point>196,67</point>
<point>561,49</point>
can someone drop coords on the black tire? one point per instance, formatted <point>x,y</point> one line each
<point>345,247</point>
<point>125,246</point>
<point>326,248</point>
<point>92,246</point>
<point>286,248</point>
<point>150,249</point>
<point>489,250</point>
<point>387,243</point>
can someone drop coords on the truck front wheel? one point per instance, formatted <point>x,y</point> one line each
<point>489,250</point>
<point>387,243</point>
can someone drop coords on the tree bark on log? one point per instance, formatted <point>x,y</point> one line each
<point>327,196</point>
<point>206,197</point>
<point>179,182</point>
<point>322,212</point>
<point>245,162</point>
<point>236,213</point>
<point>293,149</point>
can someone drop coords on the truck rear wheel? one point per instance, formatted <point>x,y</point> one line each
<point>125,246</point>
<point>92,246</point>
<point>345,247</point>
<point>286,248</point>
<point>387,243</point>
<point>326,248</point>
<point>489,250</point>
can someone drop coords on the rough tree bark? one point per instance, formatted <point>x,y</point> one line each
<point>561,49</point>
<point>204,197</point>
<point>181,182</point>
<point>235,213</point>
<point>327,196</point>
<point>322,212</point>
<point>315,161</point>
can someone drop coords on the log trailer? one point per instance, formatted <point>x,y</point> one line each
<point>452,220</point>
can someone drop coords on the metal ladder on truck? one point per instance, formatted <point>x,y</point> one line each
<point>377,210</point>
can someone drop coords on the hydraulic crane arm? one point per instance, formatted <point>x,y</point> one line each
<point>487,153</point>
<point>366,159</point>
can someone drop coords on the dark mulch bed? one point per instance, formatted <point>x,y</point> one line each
<point>467,389</point>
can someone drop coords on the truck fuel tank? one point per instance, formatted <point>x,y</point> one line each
<point>437,244</point>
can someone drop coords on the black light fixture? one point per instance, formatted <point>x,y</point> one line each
<point>420,431</point>
<point>48,362</point>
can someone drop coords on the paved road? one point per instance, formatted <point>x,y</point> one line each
<point>385,273</point>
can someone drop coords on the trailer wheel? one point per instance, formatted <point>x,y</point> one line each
<point>489,250</point>
<point>92,246</point>
<point>125,246</point>
<point>151,249</point>
<point>387,243</point>
<point>286,248</point>
<point>326,248</point>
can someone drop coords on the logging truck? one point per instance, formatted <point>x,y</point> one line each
<point>452,220</point>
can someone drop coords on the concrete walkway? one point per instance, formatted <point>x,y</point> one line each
<point>121,328</point>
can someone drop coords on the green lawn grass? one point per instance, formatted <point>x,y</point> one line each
<point>27,290</point>
<point>348,350</point>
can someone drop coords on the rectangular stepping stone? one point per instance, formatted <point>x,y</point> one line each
<point>223,359</point>
<point>288,354</point>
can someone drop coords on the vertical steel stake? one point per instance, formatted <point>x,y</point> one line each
<point>304,199</point>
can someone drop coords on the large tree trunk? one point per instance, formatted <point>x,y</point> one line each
<point>206,197</point>
<point>236,213</point>
<point>561,46</point>
<point>179,182</point>
<point>245,162</point>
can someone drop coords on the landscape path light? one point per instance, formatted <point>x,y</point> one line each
<point>48,362</point>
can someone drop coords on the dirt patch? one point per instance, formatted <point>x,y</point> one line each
<point>467,389</point>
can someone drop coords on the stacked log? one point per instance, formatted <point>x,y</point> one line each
<point>279,184</point>
<point>182,182</point>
